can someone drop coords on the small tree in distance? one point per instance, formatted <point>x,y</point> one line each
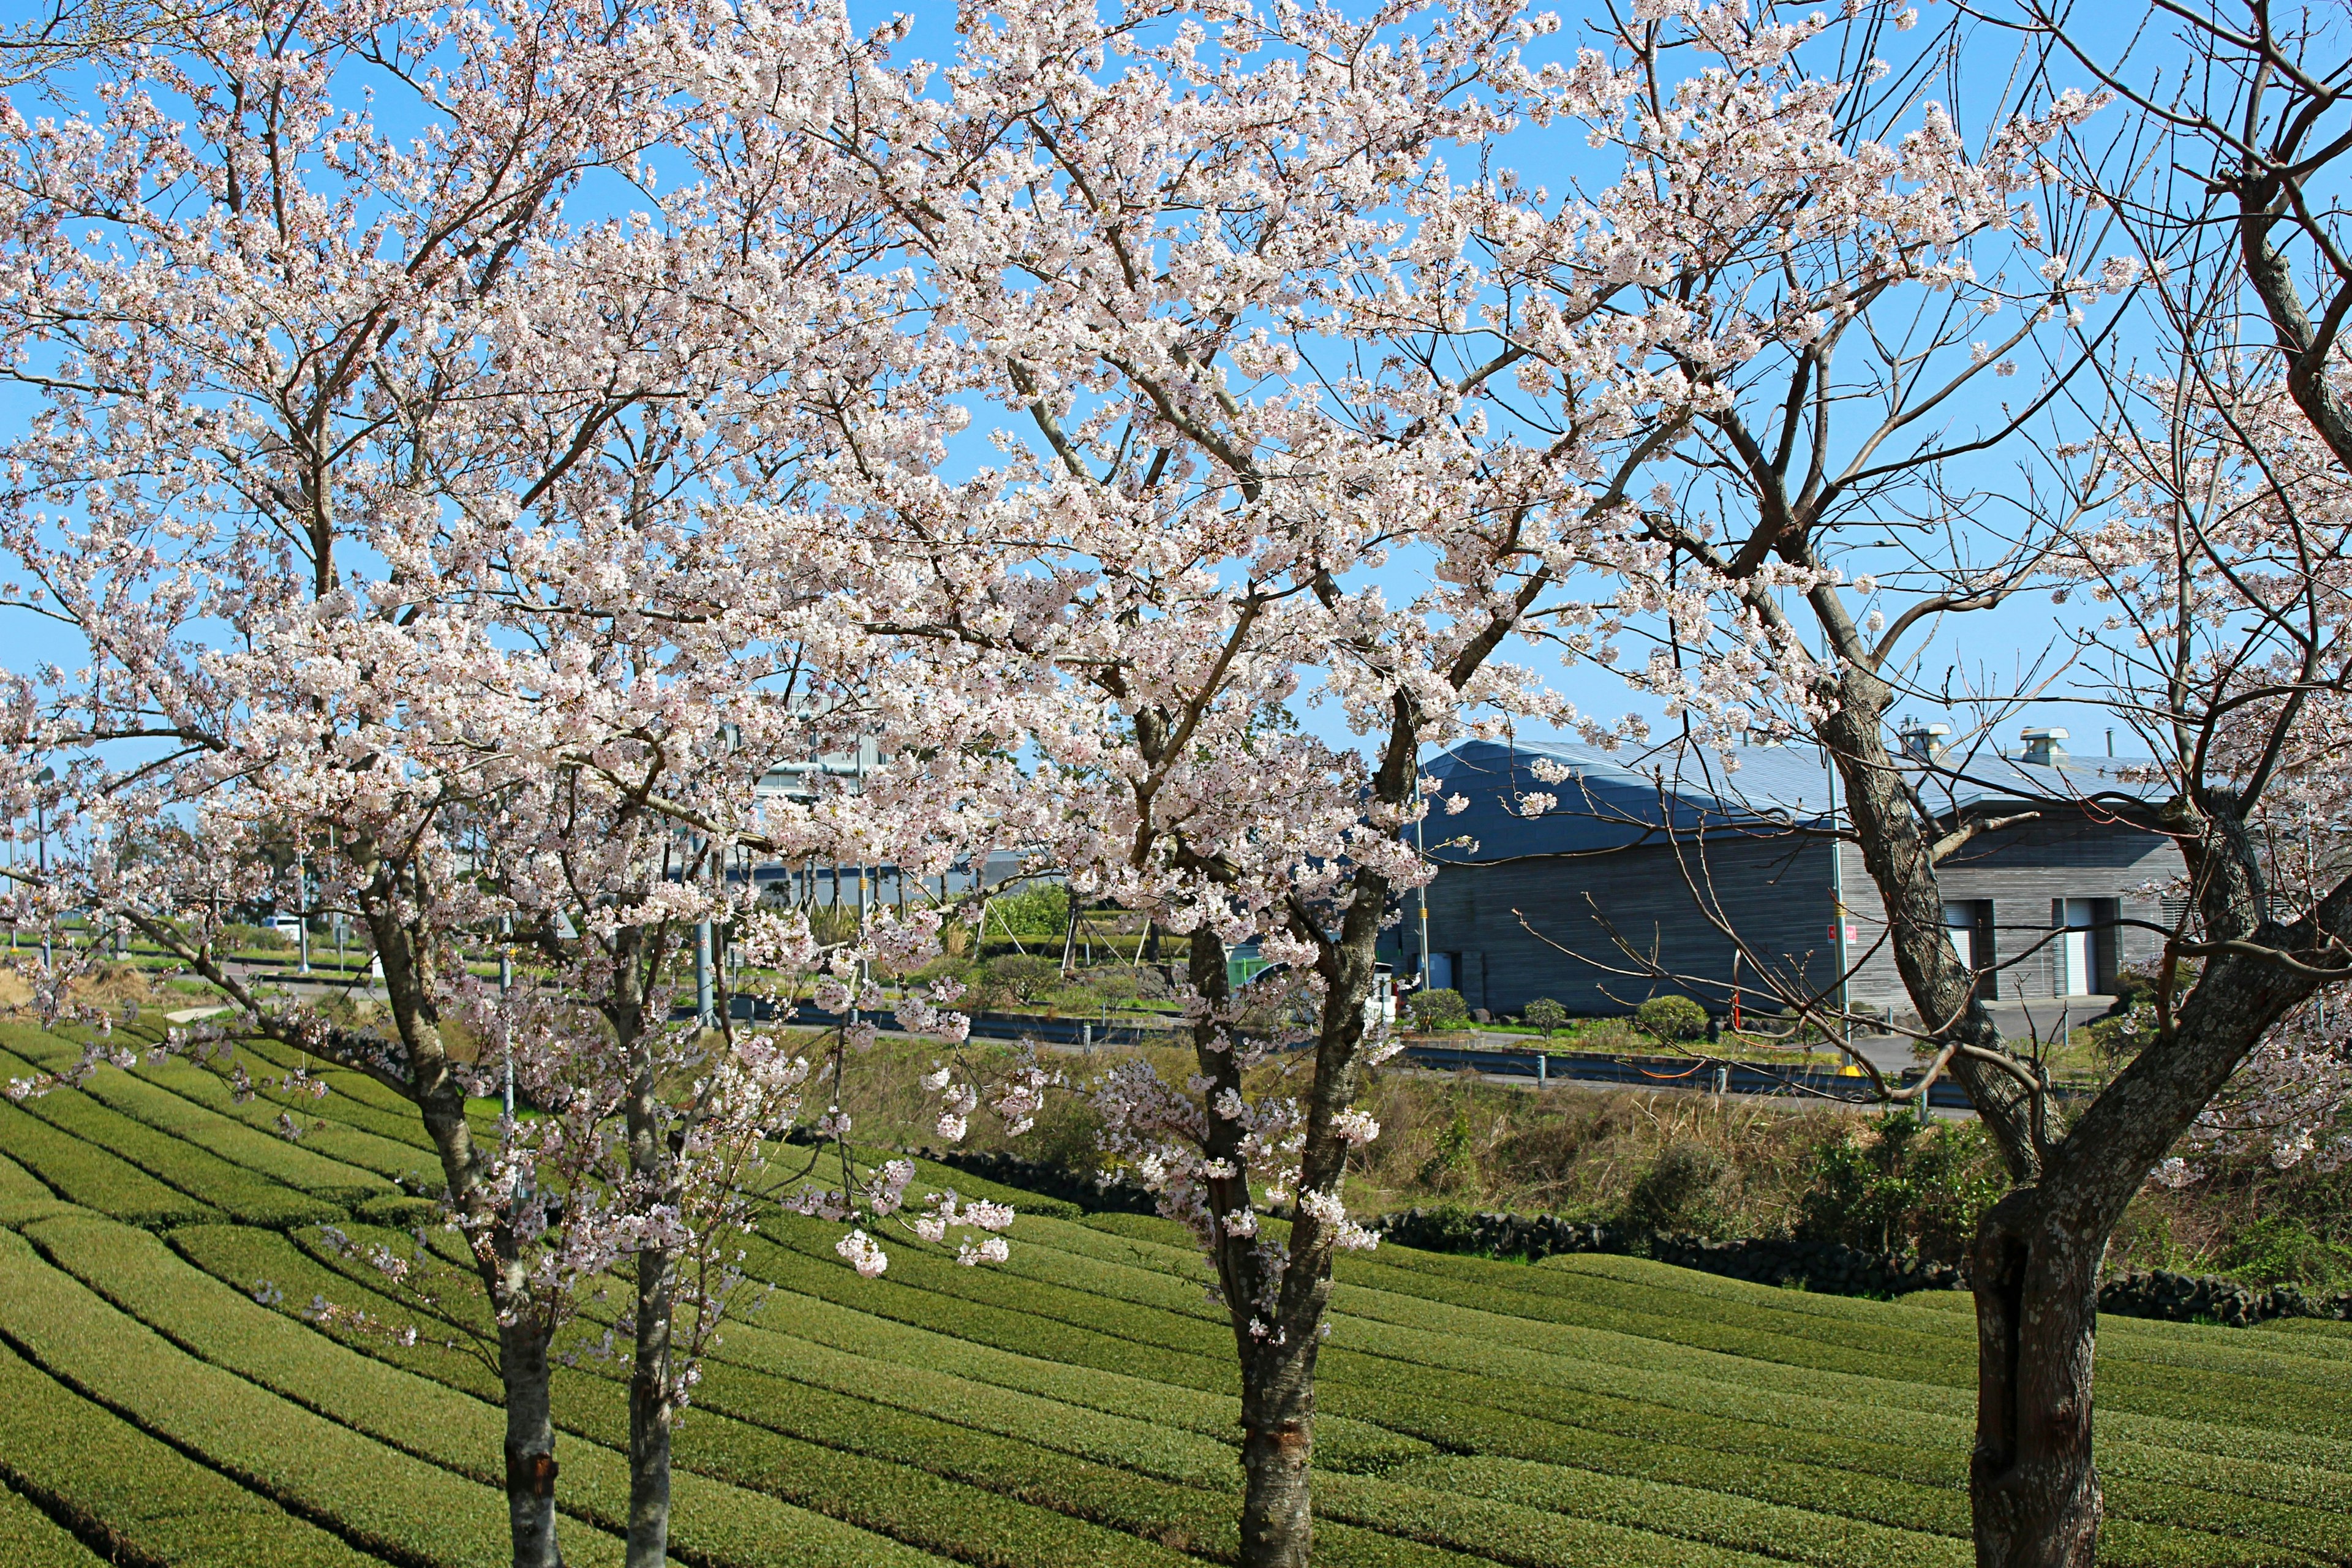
<point>1437,1007</point>
<point>1672,1019</point>
<point>1544,1013</point>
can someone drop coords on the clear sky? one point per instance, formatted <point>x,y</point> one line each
<point>1992,649</point>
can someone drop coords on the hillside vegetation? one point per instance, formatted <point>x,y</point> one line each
<point>166,1396</point>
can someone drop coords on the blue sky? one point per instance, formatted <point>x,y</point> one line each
<point>1995,647</point>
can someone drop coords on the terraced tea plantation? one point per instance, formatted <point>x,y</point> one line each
<point>164,1399</point>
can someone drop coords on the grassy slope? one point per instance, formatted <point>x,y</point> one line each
<point>1074,1407</point>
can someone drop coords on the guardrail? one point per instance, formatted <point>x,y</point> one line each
<point>1543,1067</point>
<point>1674,1072</point>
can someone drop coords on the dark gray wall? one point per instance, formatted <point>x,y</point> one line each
<point>1510,920</point>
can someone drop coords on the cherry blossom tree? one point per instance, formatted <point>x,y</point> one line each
<point>1831,507</point>
<point>1218,291</point>
<point>336,420</point>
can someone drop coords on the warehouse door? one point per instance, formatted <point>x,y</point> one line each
<point>2078,950</point>
<point>1960,926</point>
<point>1969,923</point>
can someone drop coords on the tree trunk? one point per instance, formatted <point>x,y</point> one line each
<point>2032,1488</point>
<point>650,1414</point>
<point>531,1445</point>
<point>522,1335</point>
<point>652,1160</point>
<point>1278,1454</point>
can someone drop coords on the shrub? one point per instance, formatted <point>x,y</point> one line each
<point>385,1498</point>
<point>1902,1184</point>
<point>1672,1018</point>
<point>1674,1192</point>
<point>29,1540</point>
<point>248,1147</point>
<point>85,1174</point>
<point>1437,1007</point>
<point>256,939</point>
<point>243,1194</point>
<point>150,1502</point>
<point>1544,1013</point>
<point>1115,983</point>
<point>1453,1160</point>
<point>1024,976</point>
<point>2277,1247</point>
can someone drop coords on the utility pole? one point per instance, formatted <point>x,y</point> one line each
<point>1837,902</point>
<point>705,1005</point>
<point>506,988</point>
<point>41,828</point>
<point>1421,894</point>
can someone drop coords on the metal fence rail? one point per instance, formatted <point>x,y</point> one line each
<point>1543,1067</point>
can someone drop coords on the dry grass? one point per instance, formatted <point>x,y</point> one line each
<point>1443,1140</point>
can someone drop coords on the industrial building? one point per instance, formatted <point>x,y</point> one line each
<point>1545,886</point>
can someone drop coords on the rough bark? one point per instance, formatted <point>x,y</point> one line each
<point>2034,1491</point>
<point>530,1446</point>
<point>1277,1375</point>
<point>651,1416</point>
<point>1278,1454</point>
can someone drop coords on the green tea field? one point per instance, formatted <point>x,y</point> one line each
<point>165,1400</point>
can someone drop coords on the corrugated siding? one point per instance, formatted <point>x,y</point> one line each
<point>1777,893</point>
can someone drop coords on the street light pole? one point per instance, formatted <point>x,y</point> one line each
<point>705,1005</point>
<point>1421,894</point>
<point>1837,904</point>
<point>41,829</point>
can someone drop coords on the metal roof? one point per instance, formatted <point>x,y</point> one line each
<point>1611,800</point>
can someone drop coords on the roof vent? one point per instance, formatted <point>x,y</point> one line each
<point>1922,743</point>
<point>2045,746</point>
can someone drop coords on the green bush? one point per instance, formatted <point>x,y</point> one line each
<point>2273,1247</point>
<point>1904,1184</point>
<point>385,1500</point>
<point>1080,1398</point>
<point>322,1133</point>
<point>1040,909</point>
<point>1436,1007</point>
<point>1672,1019</point>
<point>1674,1192</point>
<point>1024,977</point>
<point>1453,1156</point>
<point>1544,1013</point>
<point>30,1538</point>
<point>150,1502</point>
<point>455,1429</point>
<point>242,1193</point>
<point>85,1174</point>
<point>253,1149</point>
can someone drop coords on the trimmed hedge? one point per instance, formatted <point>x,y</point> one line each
<point>31,1539</point>
<point>1866,1461</point>
<point>383,1500</point>
<point>416,1413</point>
<point>242,1194</point>
<point>1077,1405</point>
<point>257,1147</point>
<point>1618,1359</point>
<point>24,1198</point>
<point>147,1502</point>
<point>83,1174</point>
